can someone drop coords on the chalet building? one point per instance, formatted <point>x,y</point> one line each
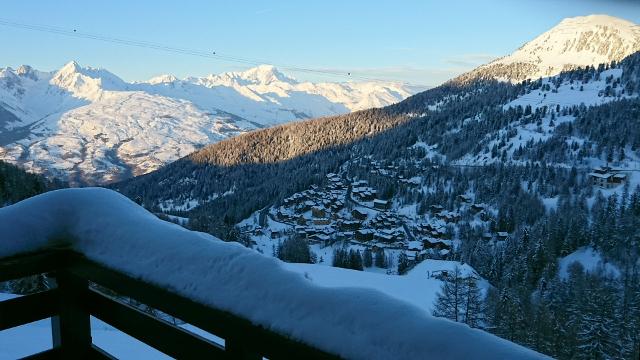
<point>439,234</point>
<point>318,212</point>
<point>321,221</point>
<point>383,237</point>
<point>311,231</point>
<point>476,208</point>
<point>435,244</point>
<point>307,205</point>
<point>359,183</point>
<point>606,177</point>
<point>333,178</point>
<point>364,235</point>
<point>320,238</point>
<point>359,215</point>
<point>345,235</point>
<point>349,225</point>
<point>389,236</point>
<point>464,198</point>
<point>415,246</point>
<point>381,204</point>
<point>337,206</point>
<point>448,217</point>
<point>300,231</point>
<point>275,234</point>
<point>364,193</point>
<point>502,235</point>
<point>487,236</point>
<point>436,208</point>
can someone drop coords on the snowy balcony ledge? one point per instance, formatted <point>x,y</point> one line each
<point>250,300</point>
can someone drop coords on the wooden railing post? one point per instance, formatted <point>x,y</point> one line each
<point>237,350</point>
<point>71,329</point>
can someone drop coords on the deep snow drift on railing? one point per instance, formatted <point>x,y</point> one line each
<point>353,323</point>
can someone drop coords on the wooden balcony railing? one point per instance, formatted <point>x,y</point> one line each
<point>73,301</point>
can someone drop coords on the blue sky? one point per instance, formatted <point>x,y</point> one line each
<point>418,41</point>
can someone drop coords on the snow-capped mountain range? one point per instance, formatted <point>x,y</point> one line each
<point>573,43</point>
<point>89,126</point>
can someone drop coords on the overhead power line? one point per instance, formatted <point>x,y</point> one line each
<point>209,54</point>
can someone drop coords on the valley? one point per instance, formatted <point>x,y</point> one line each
<point>506,198</point>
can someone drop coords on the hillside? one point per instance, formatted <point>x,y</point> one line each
<point>511,177</point>
<point>17,184</point>
<point>89,126</point>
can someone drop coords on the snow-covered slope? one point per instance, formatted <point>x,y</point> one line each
<point>88,125</point>
<point>575,42</point>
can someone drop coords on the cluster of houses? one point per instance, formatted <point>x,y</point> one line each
<point>397,171</point>
<point>350,210</point>
<point>361,191</point>
<point>320,215</point>
<point>606,177</point>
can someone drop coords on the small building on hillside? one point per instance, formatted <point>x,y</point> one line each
<point>359,215</point>
<point>606,177</point>
<point>381,204</point>
<point>321,221</point>
<point>436,208</point>
<point>318,212</point>
<point>436,244</point>
<point>349,225</point>
<point>364,235</point>
<point>476,208</point>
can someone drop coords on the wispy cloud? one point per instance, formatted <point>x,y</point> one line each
<point>262,11</point>
<point>419,76</point>
<point>470,60</point>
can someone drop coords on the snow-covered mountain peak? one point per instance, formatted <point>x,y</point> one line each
<point>87,83</point>
<point>265,74</point>
<point>575,42</point>
<point>87,124</point>
<point>261,75</point>
<point>162,79</point>
<point>596,19</point>
<point>28,72</point>
<point>581,41</point>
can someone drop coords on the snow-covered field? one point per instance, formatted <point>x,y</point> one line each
<point>417,287</point>
<point>590,260</point>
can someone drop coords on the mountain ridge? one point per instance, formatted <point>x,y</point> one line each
<point>574,42</point>
<point>78,123</point>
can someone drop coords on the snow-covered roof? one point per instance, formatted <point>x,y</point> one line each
<point>601,176</point>
<point>112,230</point>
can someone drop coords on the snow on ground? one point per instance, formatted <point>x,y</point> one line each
<point>417,287</point>
<point>551,203</point>
<point>590,259</point>
<point>110,229</point>
<point>569,94</point>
